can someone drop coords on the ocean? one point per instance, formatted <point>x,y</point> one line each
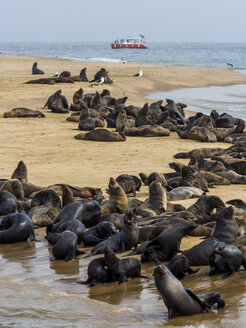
<point>230,99</point>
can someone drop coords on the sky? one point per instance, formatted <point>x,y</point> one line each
<point>107,20</point>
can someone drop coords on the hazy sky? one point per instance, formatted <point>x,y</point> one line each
<point>106,20</point>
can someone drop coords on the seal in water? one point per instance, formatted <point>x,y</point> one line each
<point>16,227</point>
<point>122,268</point>
<point>179,300</point>
<point>98,233</point>
<point>123,240</point>
<point>225,259</point>
<point>179,265</point>
<point>66,247</point>
<point>97,272</point>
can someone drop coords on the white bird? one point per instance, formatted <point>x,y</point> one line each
<point>54,76</point>
<point>100,81</point>
<point>139,74</point>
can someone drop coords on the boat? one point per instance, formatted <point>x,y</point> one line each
<point>130,43</point>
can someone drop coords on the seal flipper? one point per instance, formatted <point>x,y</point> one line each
<point>197,299</point>
<point>171,313</point>
<point>190,270</point>
<point>122,279</point>
<point>78,252</point>
<point>71,254</point>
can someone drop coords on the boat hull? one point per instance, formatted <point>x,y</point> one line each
<point>128,46</point>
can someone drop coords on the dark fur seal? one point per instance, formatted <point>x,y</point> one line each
<point>66,247</point>
<point>147,131</point>
<point>57,99</point>
<point>179,265</point>
<point>41,81</point>
<point>78,96</point>
<point>121,269</point>
<point>46,197</point>
<point>16,227</point>
<point>97,272</point>
<point>123,240</point>
<point>225,230</point>
<point>98,233</point>
<point>129,183</point>
<point>142,117</point>
<point>23,112</point>
<point>15,187</point>
<point>173,110</point>
<point>8,203</point>
<point>101,135</point>
<point>167,244</point>
<point>225,259</point>
<point>204,207</point>
<point>179,300</point>
<point>36,70</point>
<point>20,172</point>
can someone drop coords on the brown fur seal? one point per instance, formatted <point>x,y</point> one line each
<point>23,112</point>
<point>41,81</point>
<point>121,121</point>
<point>156,204</point>
<point>198,133</point>
<point>142,117</point>
<point>78,96</point>
<point>101,135</point>
<point>86,123</point>
<point>15,187</point>
<point>147,131</point>
<point>188,179</point>
<point>117,202</point>
<point>96,102</point>
<point>20,172</point>
<point>204,152</point>
<point>49,103</point>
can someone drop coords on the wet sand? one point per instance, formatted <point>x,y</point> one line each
<point>52,155</point>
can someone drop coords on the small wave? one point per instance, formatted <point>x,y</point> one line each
<point>95,59</point>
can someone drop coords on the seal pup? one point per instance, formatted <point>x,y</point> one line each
<point>179,265</point>
<point>225,259</point>
<point>179,300</point>
<point>121,269</point>
<point>121,241</point>
<point>66,247</point>
<point>97,273</point>
<point>36,70</point>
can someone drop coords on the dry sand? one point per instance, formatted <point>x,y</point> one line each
<point>48,147</point>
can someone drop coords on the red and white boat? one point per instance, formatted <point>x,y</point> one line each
<point>130,43</point>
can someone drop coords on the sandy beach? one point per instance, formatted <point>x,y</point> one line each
<point>48,147</point>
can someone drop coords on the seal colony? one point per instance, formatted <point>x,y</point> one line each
<point>69,211</point>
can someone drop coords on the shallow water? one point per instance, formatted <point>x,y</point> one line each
<point>37,291</point>
<point>230,99</point>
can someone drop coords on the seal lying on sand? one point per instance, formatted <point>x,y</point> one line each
<point>179,300</point>
<point>23,112</point>
<point>101,135</point>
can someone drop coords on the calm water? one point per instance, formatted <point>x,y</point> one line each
<point>186,54</point>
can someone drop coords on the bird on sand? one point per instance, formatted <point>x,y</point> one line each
<point>139,74</point>
<point>100,81</point>
<point>56,75</point>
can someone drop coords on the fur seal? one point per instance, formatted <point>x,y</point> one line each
<point>179,265</point>
<point>43,215</point>
<point>173,110</point>
<point>121,269</point>
<point>8,203</point>
<point>46,197</point>
<point>42,81</point>
<point>118,201</point>
<point>156,204</point>
<point>98,233</point>
<point>23,112</point>
<point>75,226</point>
<point>16,227</point>
<point>121,241</point>
<point>101,135</point>
<point>121,122</point>
<point>86,123</point>
<point>129,183</point>
<point>204,152</point>
<point>15,187</point>
<point>20,172</point>
<point>198,133</point>
<point>167,244</point>
<point>36,70</point>
<point>66,247</point>
<point>78,96</point>
<point>97,273</point>
<point>225,259</point>
<point>57,99</point>
<point>142,117</point>
<point>178,300</point>
<point>147,131</point>
<point>184,192</point>
<point>188,179</point>
<point>83,75</point>
<point>204,207</point>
